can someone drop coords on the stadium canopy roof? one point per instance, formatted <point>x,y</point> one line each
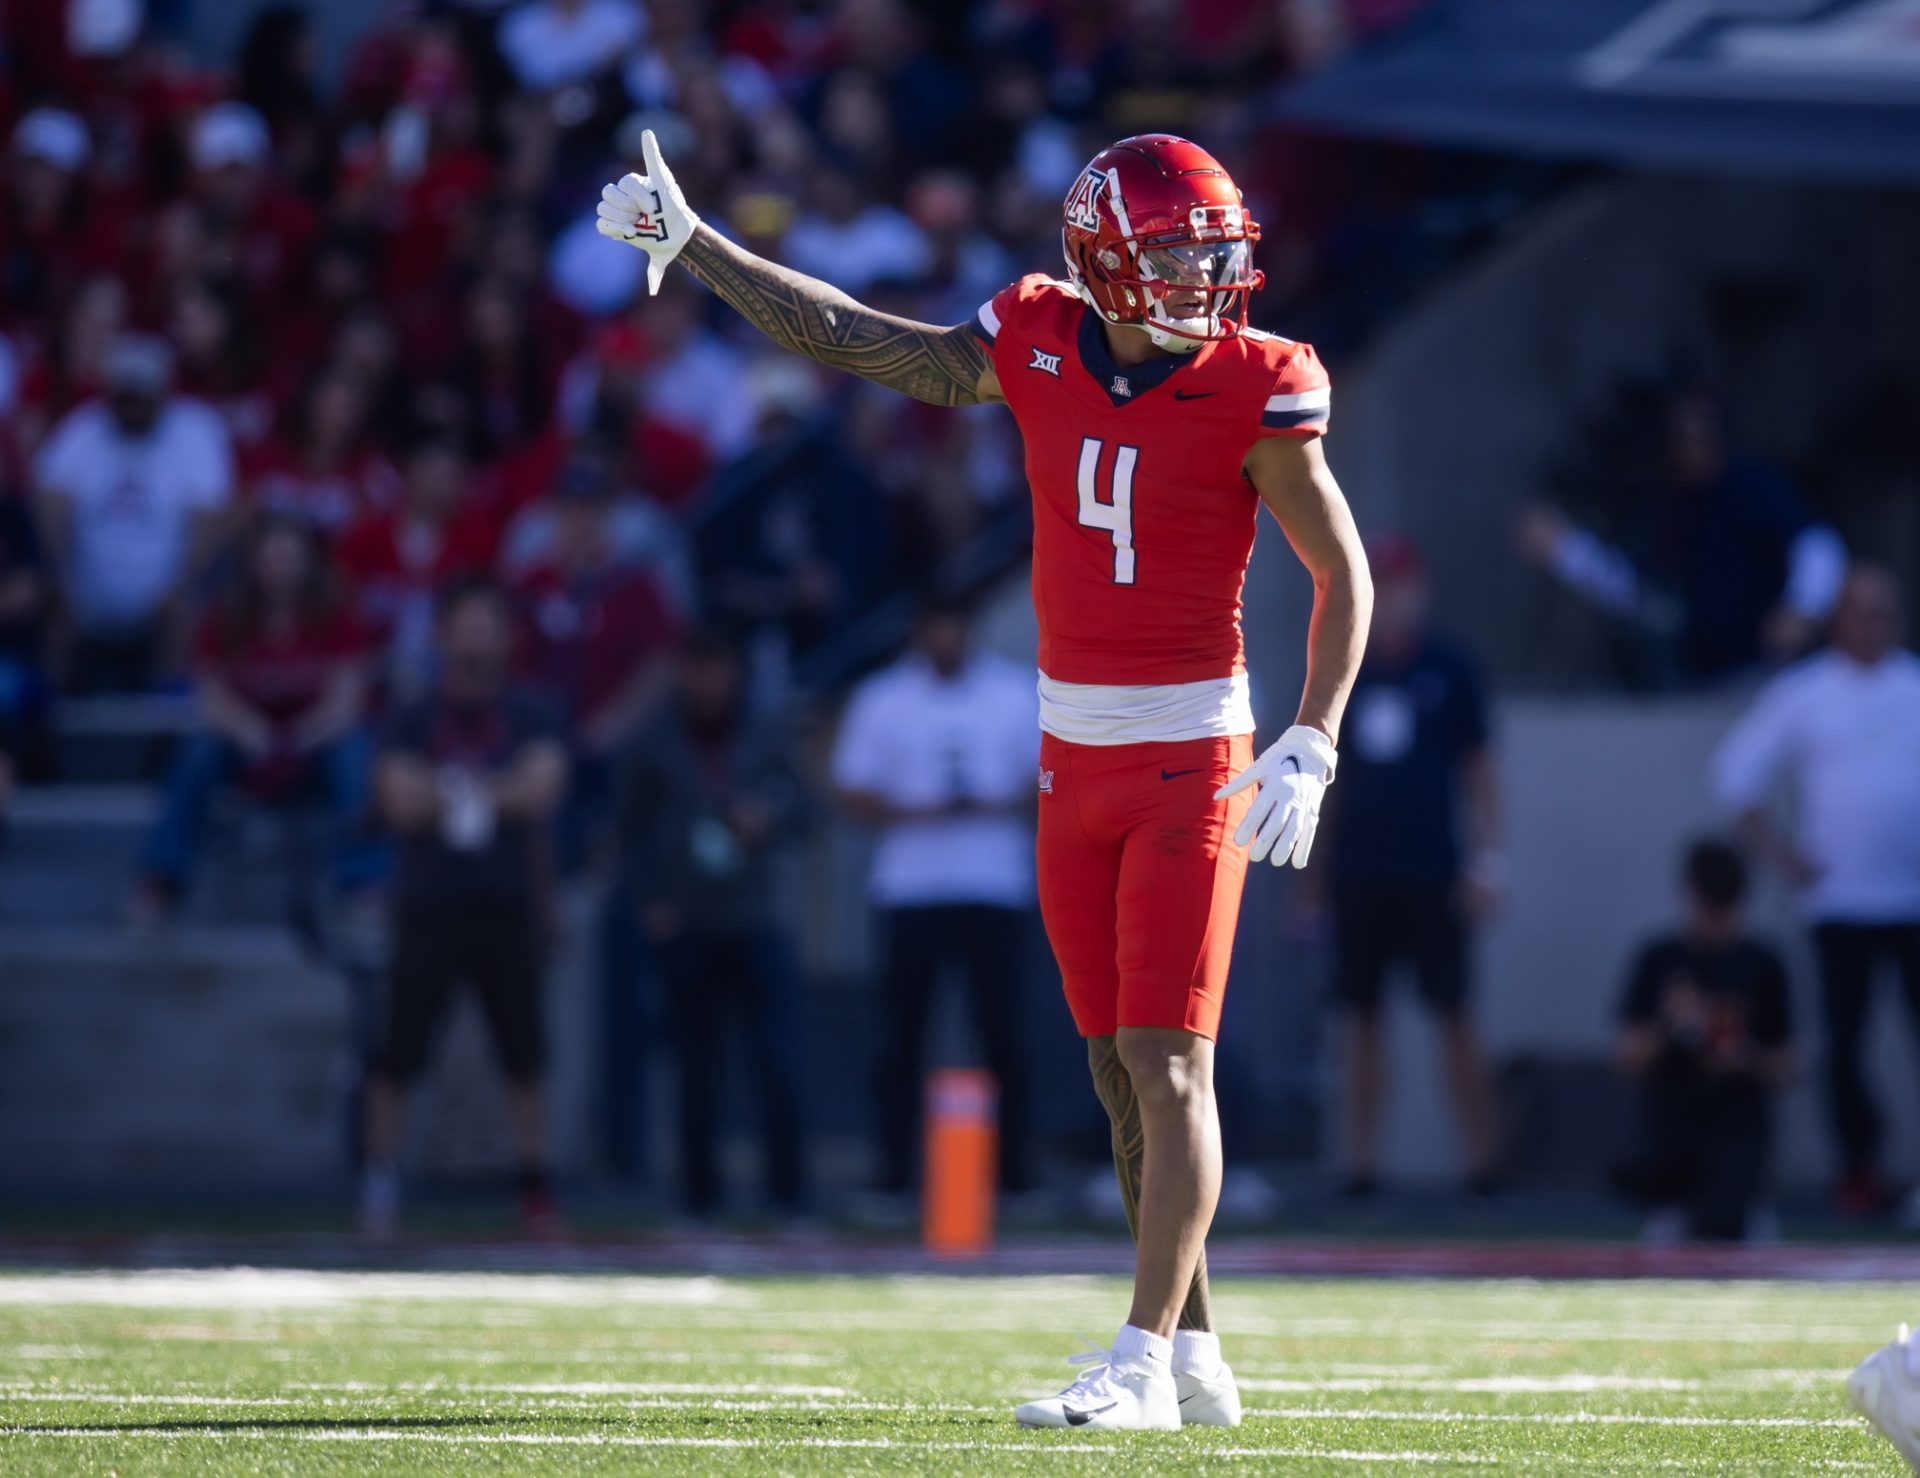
<point>1810,89</point>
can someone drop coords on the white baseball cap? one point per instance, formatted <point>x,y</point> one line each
<point>55,137</point>
<point>230,133</point>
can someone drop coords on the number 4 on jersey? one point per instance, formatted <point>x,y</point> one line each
<point>1114,514</point>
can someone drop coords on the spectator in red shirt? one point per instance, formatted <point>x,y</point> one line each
<point>501,370</point>
<point>280,669</point>
<point>264,230</point>
<point>75,368</point>
<point>366,349</point>
<point>278,77</point>
<point>325,472</point>
<point>218,347</point>
<point>49,233</point>
<point>397,561</point>
<point>600,630</point>
<point>599,639</point>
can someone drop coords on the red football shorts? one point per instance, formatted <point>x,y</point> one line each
<point>1140,880</point>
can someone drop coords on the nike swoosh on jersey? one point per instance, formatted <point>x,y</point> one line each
<point>1081,1418</point>
<point>1193,394</point>
<point>1176,774</point>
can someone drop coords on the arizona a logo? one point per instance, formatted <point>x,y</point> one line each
<point>1083,203</point>
<point>652,223</point>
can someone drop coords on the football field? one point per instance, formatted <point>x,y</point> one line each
<point>316,1372</point>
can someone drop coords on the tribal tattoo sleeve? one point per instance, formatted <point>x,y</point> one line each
<point>944,366</point>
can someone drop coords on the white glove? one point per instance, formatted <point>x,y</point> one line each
<point>1293,775</point>
<point>648,211</point>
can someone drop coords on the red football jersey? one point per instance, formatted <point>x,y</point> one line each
<point>1142,522</point>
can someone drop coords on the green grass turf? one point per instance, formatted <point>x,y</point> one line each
<point>298,1372</point>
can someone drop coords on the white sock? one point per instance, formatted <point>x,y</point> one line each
<point>1133,1343</point>
<point>1195,1352</point>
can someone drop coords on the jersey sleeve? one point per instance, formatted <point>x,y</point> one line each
<point>1011,308</point>
<point>1301,395</point>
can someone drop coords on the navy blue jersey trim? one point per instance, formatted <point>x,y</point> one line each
<point>1140,378</point>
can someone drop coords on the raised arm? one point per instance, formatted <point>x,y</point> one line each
<point>945,366</point>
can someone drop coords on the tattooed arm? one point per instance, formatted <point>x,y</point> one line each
<point>945,366</point>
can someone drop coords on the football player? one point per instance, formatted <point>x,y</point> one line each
<point>1156,423</point>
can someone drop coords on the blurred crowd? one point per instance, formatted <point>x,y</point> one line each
<point>320,397</point>
<point>321,400</point>
<point>371,301</point>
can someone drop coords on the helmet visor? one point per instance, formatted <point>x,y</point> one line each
<point>1199,264</point>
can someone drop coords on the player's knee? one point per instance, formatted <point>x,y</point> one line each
<point>1167,1068</point>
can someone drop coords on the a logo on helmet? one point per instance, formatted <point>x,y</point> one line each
<point>1083,202</point>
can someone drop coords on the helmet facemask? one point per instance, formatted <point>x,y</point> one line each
<point>1196,291</point>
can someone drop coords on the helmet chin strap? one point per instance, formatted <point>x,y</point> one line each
<point>1162,331</point>
<point>1172,342</point>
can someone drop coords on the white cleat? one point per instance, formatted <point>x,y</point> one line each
<point>1112,1395</point>
<point>1886,1391</point>
<point>1208,1400</point>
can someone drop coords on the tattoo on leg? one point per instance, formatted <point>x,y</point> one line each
<point>940,365</point>
<point>1115,1091</point>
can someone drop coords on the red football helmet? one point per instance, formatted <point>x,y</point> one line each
<point>1157,236</point>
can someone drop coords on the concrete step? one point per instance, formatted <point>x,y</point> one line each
<point>204,1056</point>
<point>73,851</point>
<point>118,740</point>
<point>221,1057</point>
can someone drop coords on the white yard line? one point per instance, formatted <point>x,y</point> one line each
<point>1545,1332</point>
<point>250,1289</point>
<point>1095,1448</point>
<point>1035,1448</point>
<point>1546,1418</point>
<point>1363,1379</point>
<point>1492,1385</point>
<point>121,1398</point>
<point>813,1405</point>
<point>575,1388</point>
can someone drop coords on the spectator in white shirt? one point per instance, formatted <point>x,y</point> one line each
<point>938,753</point>
<point>1844,727</point>
<point>854,242</point>
<point>693,381</point>
<point>130,487</point>
<point>554,43</point>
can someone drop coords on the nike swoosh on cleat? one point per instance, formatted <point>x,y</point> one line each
<point>1193,394</point>
<point>1185,1399</point>
<point>1176,774</point>
<point>1081,1418</point>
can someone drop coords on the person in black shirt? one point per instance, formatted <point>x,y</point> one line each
<point>1412,860</point>
<point>469,782</point>
<point>708,802</point>
<point>1705,1035</point>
